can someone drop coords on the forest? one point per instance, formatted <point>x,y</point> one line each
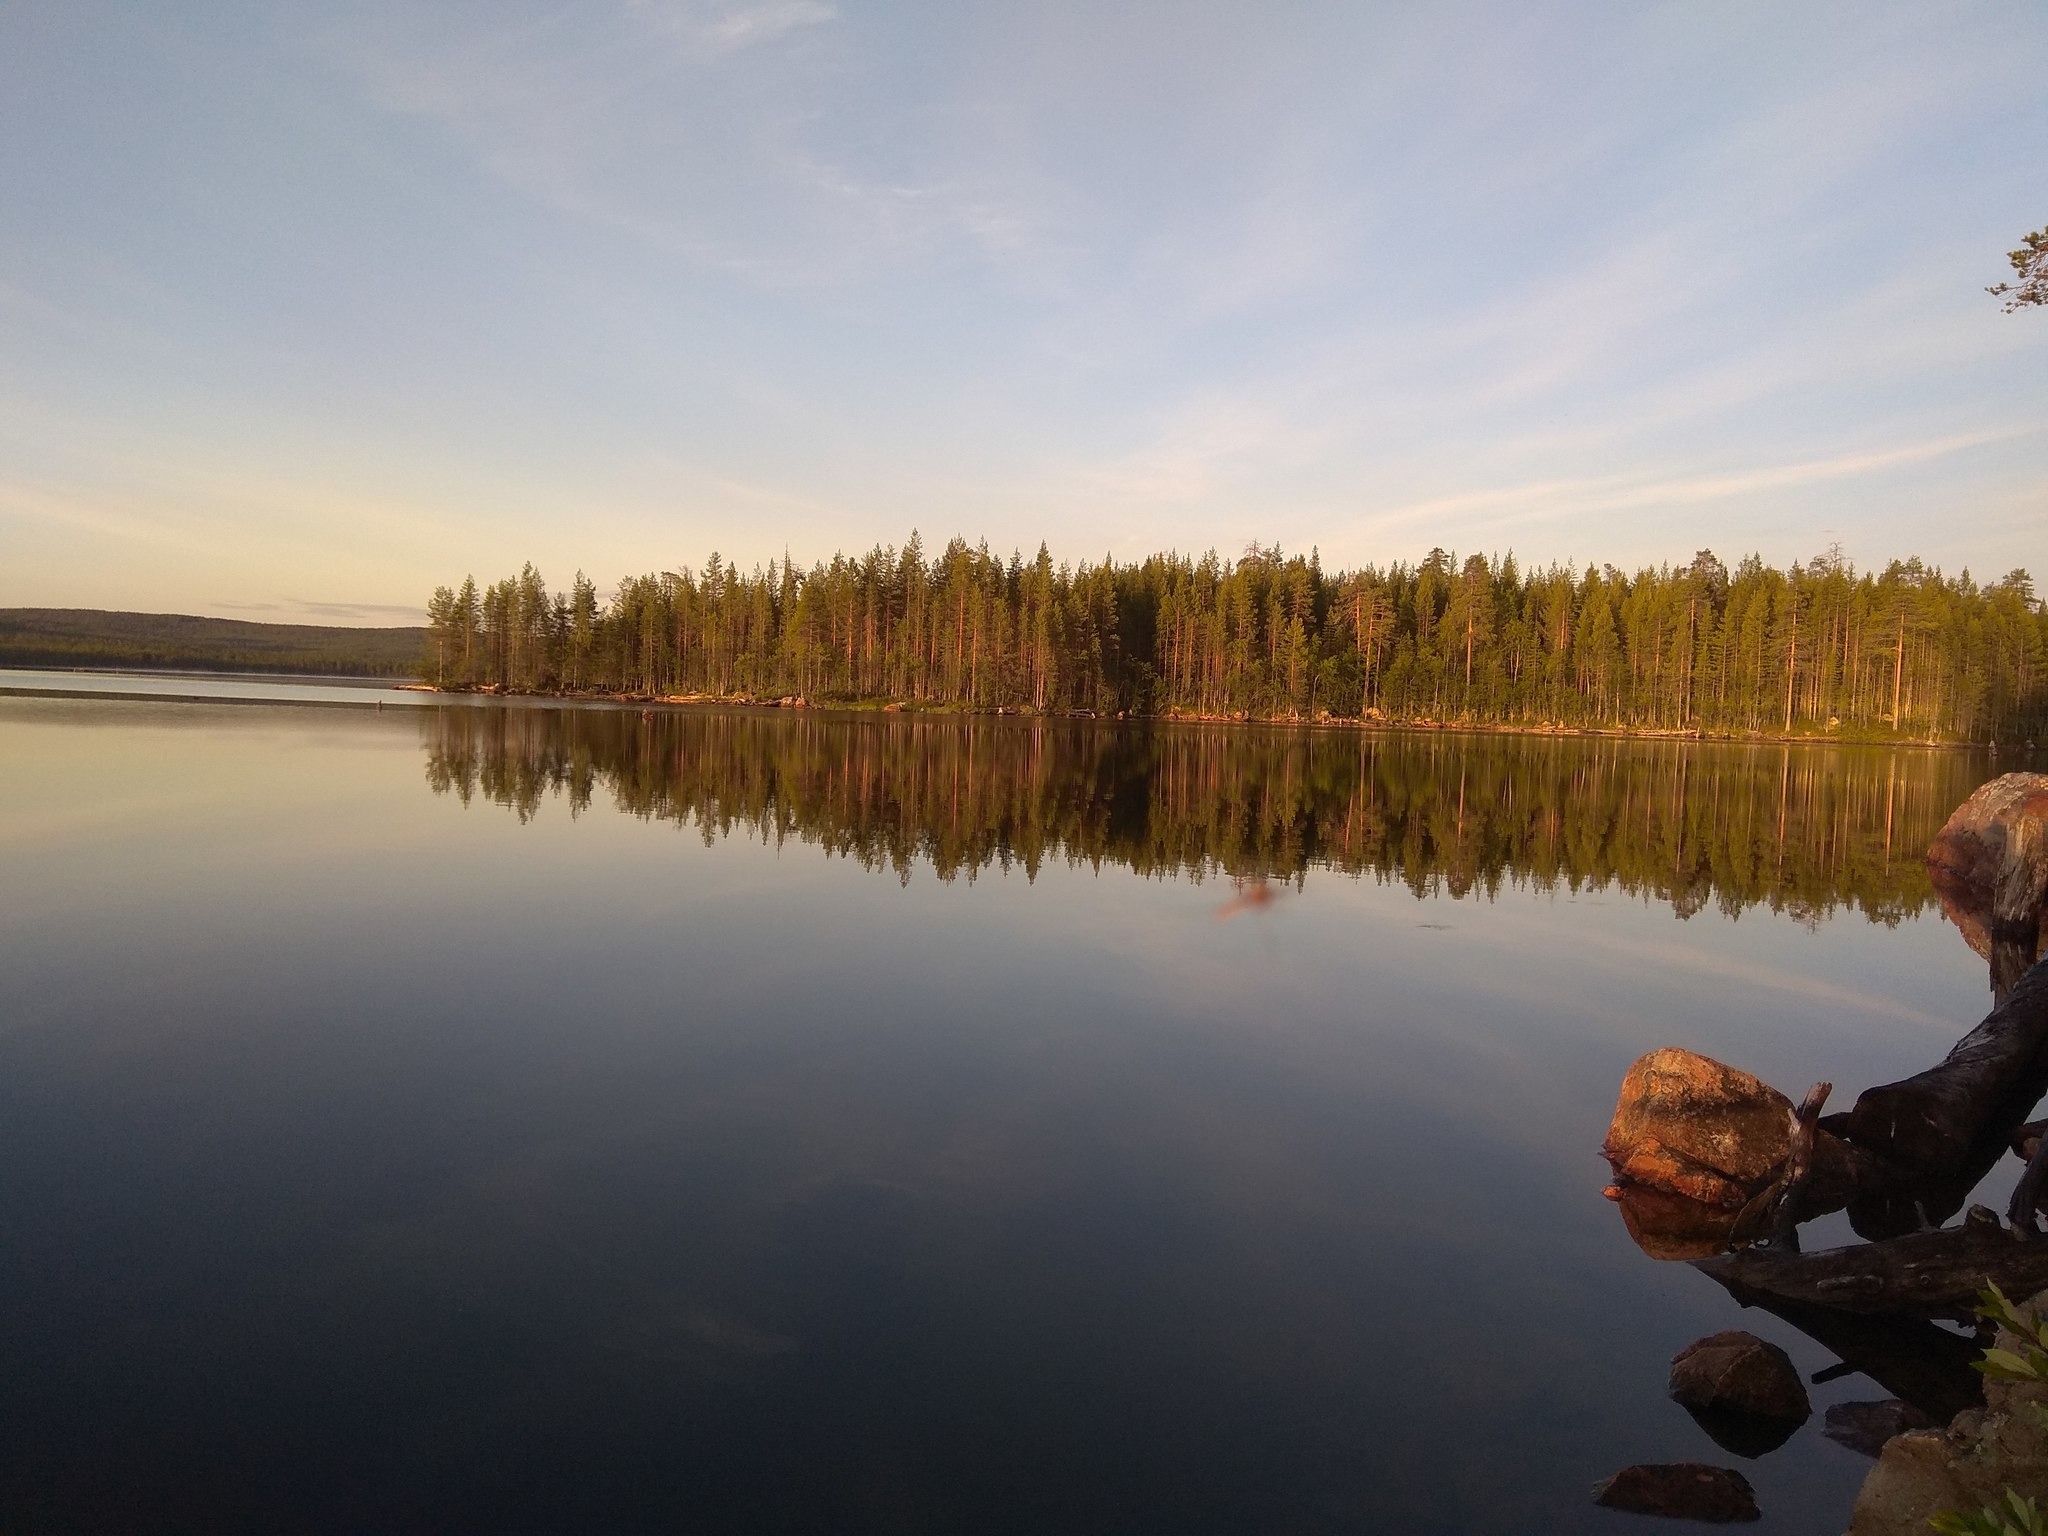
<point>1797,828</point>
<point>1818,649</point>
<point>93,638</point>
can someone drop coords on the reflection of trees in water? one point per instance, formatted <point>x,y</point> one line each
<point>1798,829</point>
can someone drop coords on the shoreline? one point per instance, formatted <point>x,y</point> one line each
<point>1323,721</point>
<point>428,696</point>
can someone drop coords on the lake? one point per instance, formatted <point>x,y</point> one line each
<point>493,1116</point>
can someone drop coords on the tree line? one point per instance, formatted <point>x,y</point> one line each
<point>93,638</point>
<point>1799,829</point>
<point>1817,648</point>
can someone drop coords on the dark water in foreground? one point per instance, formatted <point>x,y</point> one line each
<point>485,1118</point>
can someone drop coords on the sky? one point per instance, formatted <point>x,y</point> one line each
<point>306,308</point>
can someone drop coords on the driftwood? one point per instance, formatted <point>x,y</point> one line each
<point>1775,1212</point>
<point>1956,1119</point>
<point>2026,1195</point>
<point>1915,1360</point>
<point>1928,1274</point>
<point>1903,1161</point>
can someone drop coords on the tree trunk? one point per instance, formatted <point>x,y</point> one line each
<point>1924,1274</point>
<point>1953,1117</point>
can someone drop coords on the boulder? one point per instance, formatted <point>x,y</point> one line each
<point>1740,1373</point>
<point>1964,1468</point>
<point>1992,854</point>
<point>1691,1126</point>
<point>1866,1427</point>
<point>1742,1391</point>
<point>1684,1490</point>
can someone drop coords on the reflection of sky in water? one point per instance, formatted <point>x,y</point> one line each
<point>374,1159</point>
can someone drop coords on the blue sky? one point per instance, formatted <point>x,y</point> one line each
<point>308,307</point>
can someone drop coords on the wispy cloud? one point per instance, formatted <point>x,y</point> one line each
<point>614,284</point>
<point>1618,494</point>
<point>759,23</point>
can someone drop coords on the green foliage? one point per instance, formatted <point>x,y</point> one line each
<point>2019,1517</point>
<point>2030,1362</point>
<point>1817,650</point>
<point>2030,261</point>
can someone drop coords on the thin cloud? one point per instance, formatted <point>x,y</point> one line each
<point>1613,495</point>
<point>759,23</point>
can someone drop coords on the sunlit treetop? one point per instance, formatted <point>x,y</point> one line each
<point>2030,261</point>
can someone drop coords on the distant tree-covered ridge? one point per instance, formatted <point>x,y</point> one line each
<point>1819,648</point>
<point>93,637</point>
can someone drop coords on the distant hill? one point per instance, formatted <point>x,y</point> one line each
<point>93,637</point>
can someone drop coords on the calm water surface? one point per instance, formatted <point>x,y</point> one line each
<point>477,1118</point>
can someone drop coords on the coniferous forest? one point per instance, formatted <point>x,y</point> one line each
<point>1819,649</point>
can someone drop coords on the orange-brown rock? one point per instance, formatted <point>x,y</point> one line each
<point>1668,1226</point>
<point>1651,1163</point>
<point>1695,1127</point>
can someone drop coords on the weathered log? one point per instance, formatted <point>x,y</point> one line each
<point>1926,1274</point>
<point>2026,1195</point>
<point>1959,1115</point>
<point>1915,1360</point>
<point>1775,1212</point>
<point>2009,950</point>
<point>2012,953</point>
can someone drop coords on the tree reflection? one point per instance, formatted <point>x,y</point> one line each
<point>1792,829</point>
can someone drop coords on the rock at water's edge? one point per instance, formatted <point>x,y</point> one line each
<point>1993,852</point>
<point>1739,1372</point>
<point>1683,1490</point>
<point>1692,1126</point>
<point>1865,1427</point>
<point>1983,1452</point>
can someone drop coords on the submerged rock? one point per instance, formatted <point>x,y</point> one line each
<point>1682,1490</point>
<point>1865,1427</point>
<point>1740,1373</point>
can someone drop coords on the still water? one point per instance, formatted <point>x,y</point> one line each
<point>480,1118</point>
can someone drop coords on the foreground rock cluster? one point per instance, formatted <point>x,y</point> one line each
<point>1682,1490</point>
<point>1715,1166</point>
<point>1742,1391</point>
<point>1966,1466</point>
